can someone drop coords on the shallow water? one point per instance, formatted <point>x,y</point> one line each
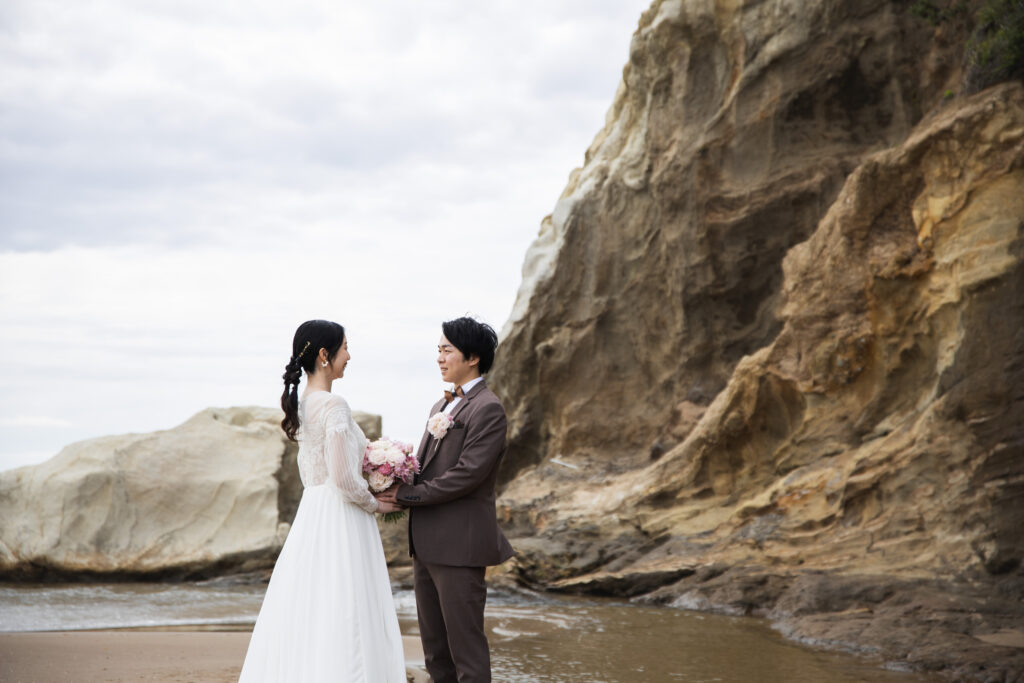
<point>71,607</point>
<point>608,641</point>
<point>534,638</point>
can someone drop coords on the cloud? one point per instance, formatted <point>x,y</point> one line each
<point>161,123</point>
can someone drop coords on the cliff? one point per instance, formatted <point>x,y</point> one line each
<point>767,354</point>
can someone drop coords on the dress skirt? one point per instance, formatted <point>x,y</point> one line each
<point>328,614</point>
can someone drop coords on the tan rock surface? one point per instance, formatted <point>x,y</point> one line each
<point>733,129</point>
<point>767,356</point>
<point>214,494</point>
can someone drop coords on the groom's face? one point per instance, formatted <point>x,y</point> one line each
<point>455,368</point>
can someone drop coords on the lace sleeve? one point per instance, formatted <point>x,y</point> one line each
<point>344,465</point>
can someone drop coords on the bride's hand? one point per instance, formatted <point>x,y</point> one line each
<point>383,507</point>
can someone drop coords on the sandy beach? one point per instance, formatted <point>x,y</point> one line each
<point>129,655</point>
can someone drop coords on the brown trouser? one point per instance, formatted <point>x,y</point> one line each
<point>450,606</point>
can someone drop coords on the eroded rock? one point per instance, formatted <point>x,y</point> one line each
<point>733,130</point>
<point>771,338</point>
<point>215,494</point>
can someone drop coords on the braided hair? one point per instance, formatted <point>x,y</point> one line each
<point>311,336</point>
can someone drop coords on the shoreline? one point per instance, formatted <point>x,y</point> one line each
<point>160,654</point>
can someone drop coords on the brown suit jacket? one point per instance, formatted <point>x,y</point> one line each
<point>452,520</point>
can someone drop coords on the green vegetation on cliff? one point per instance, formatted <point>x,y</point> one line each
<point>995,52</point>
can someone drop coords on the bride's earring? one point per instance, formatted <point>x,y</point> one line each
<point>323,364</point>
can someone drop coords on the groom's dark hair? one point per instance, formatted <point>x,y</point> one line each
<point>472,338</point>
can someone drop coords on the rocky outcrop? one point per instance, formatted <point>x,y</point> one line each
<point>215,494</point>
<point>767,356</point>
<point>732,132</point>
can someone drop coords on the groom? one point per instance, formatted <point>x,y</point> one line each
<point>453,529</point>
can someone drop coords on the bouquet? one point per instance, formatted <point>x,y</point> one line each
<point>387,461</point>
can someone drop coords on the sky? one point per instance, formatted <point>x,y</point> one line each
<point>183,182</point>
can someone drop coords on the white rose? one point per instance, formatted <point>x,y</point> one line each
<point>438,425</point>
<point>377,455</point>
<point>379,482</point>
<point>395,457</point>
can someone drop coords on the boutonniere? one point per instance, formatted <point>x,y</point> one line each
<point>439,424</point>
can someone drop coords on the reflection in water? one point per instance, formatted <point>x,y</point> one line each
<point>534,638</point>
<point>609,641</point>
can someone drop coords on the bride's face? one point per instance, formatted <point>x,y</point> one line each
<point>340,361</point>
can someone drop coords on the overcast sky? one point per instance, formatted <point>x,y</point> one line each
<point>183,182</point>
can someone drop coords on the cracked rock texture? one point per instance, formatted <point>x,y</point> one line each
<point>768,353</point>
<point>215,494</point>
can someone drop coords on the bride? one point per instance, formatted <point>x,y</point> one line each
<point>328,614</point>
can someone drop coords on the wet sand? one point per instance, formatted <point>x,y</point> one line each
<point>160,656</point>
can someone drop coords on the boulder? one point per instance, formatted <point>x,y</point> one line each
<point>215,494</point>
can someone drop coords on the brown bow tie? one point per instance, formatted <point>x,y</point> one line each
<point>449,396</point>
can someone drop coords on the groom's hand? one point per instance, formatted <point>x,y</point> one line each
<point>388,495</point>
<point>385,507</point>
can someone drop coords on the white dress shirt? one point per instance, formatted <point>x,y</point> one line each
<point>465,389</point>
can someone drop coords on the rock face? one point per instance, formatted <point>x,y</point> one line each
<point>733,130</point>
<point>768,352</point>
<point>215,494</point>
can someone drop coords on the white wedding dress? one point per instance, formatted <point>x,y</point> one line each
<point>328,614</point>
